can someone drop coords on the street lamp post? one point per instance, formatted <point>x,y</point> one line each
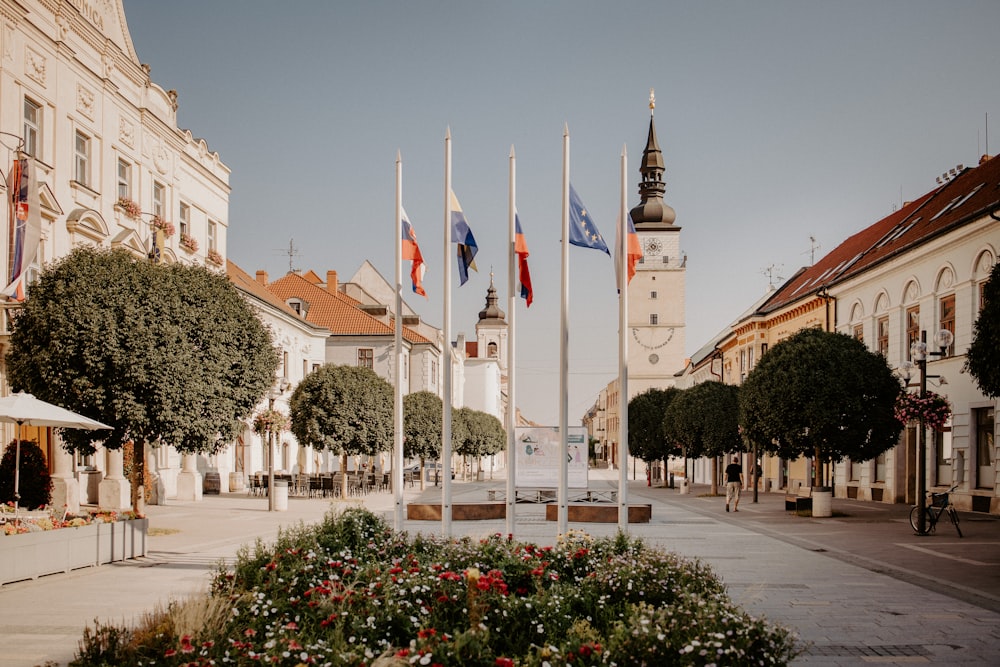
<point>276,391</point>
<point>920,352</point>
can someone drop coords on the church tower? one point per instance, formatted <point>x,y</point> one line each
<point>491,330</point>
<point>656,293</point>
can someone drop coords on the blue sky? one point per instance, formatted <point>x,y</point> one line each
<point>778,120</point>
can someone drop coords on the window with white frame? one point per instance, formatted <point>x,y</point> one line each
<point>947,315</point>
<point>124,179</point>
<point>184,220</point>
<point>32,128</point>
<point>159,199</point>
<point>212,231</point>
<point>81,159</point>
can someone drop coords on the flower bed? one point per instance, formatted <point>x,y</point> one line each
<point>350,591</point>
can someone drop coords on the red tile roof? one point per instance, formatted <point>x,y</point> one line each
<point>242,280</point>
<point>973,193</point>
<point>336,311</point>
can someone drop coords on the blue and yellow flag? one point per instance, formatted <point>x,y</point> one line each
<point>462,235</point>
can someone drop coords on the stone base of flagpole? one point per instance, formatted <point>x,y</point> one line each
<point>598,513</point>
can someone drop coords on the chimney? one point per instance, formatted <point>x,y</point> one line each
<point>262,277</point>
<point>331,282</point>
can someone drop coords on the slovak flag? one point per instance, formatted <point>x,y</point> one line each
<point>411,251</point>
<point>521,250</point>
<point>634,250</point>
<point>25,224</point>
<point>461,234</point>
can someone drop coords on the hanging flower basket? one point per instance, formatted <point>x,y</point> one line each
<point>270,421</point>
<point>934,409</point>
<point>189,243</point>
<point>130,208</point>
<point>160,223</point>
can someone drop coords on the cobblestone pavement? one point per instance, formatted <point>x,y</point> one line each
<point>858,588</point>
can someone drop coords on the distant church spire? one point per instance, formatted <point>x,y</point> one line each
<point>652,212</point>
<point>492,311</point>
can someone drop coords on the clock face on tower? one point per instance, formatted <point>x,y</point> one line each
<point>653,339</point>
<point>653,247</point>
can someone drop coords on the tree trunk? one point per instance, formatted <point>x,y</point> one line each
<point>422,473</point>
<point>137,489</point>
<point>818,474</point>
<point>343,475</point>
<point>715,475</point>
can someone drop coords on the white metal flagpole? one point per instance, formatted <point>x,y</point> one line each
<point>397,451</point>
<point>511,357</point>
<point>623,353</point>
<point>563,509</point>
<point>446,356</point>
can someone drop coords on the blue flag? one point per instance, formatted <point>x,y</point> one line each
<point>462,235</point>
<point>582,230</point>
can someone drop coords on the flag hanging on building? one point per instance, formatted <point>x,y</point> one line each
<point>462,235</point>
<point>25,224</point>
<point>582,230</point>
<point>411,251</point>
<point>523,275</point>
<point>633,250</point>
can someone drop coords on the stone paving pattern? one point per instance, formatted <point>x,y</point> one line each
<point>858,588</point>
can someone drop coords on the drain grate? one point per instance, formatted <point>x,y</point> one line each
<point>895,651</point>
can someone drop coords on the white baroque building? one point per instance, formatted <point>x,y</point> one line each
<point>109,159</point>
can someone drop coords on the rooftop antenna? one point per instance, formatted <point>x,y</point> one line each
<point>772,275</point>
<point>292,253</point>
<point>813,247</point>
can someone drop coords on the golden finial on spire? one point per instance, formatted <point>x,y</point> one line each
<point>652,101</point>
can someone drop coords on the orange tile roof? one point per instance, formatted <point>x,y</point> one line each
<point>337,312</point>
<point>244,281</point>
<point>973,193</point>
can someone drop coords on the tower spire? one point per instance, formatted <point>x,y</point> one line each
<point>652,212</point>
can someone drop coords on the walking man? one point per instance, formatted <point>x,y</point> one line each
<point>734,483</point>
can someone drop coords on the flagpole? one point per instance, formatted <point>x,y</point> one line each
<point>563,509</point>
<point>623,353</point>
<point>511,357</point>
<point>397,452</point>
<point>446,356</point>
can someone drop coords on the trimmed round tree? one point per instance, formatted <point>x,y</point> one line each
<point>646,437</point>
<point>422,416</point>
<point>347,410</point>
<point>983,358</point>
<point>704,420</point>
<point>168,354</point>
<point>823,395</point>
<point>478,434</point>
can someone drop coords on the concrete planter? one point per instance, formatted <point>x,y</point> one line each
<point>33,555</point>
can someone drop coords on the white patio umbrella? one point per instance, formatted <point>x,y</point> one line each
<point>22,408</point>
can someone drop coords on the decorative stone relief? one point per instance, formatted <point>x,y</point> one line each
<point>161,158</point>
<point>985,264</point>
<point>34,65</point>
<point>108,65</point>
<point>881,303</point>
<point>912,293</point>
<point>126,133</point>
<point>946,279</point>
<point>85,101</point>
<point>8,41</point>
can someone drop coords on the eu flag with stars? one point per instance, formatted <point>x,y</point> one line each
<point>582,230</point>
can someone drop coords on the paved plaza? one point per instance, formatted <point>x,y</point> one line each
<point>858,588</point>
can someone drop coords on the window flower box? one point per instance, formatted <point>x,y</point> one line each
<point>129,207</point>
<point>215,257</point>
<point>165,226</point>
<point>189,243</point>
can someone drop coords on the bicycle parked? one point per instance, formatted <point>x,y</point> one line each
<point>939,505</point>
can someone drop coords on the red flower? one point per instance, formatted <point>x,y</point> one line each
<point>504,662</point>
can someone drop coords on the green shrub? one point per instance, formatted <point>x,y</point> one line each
<point>34,479</point>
